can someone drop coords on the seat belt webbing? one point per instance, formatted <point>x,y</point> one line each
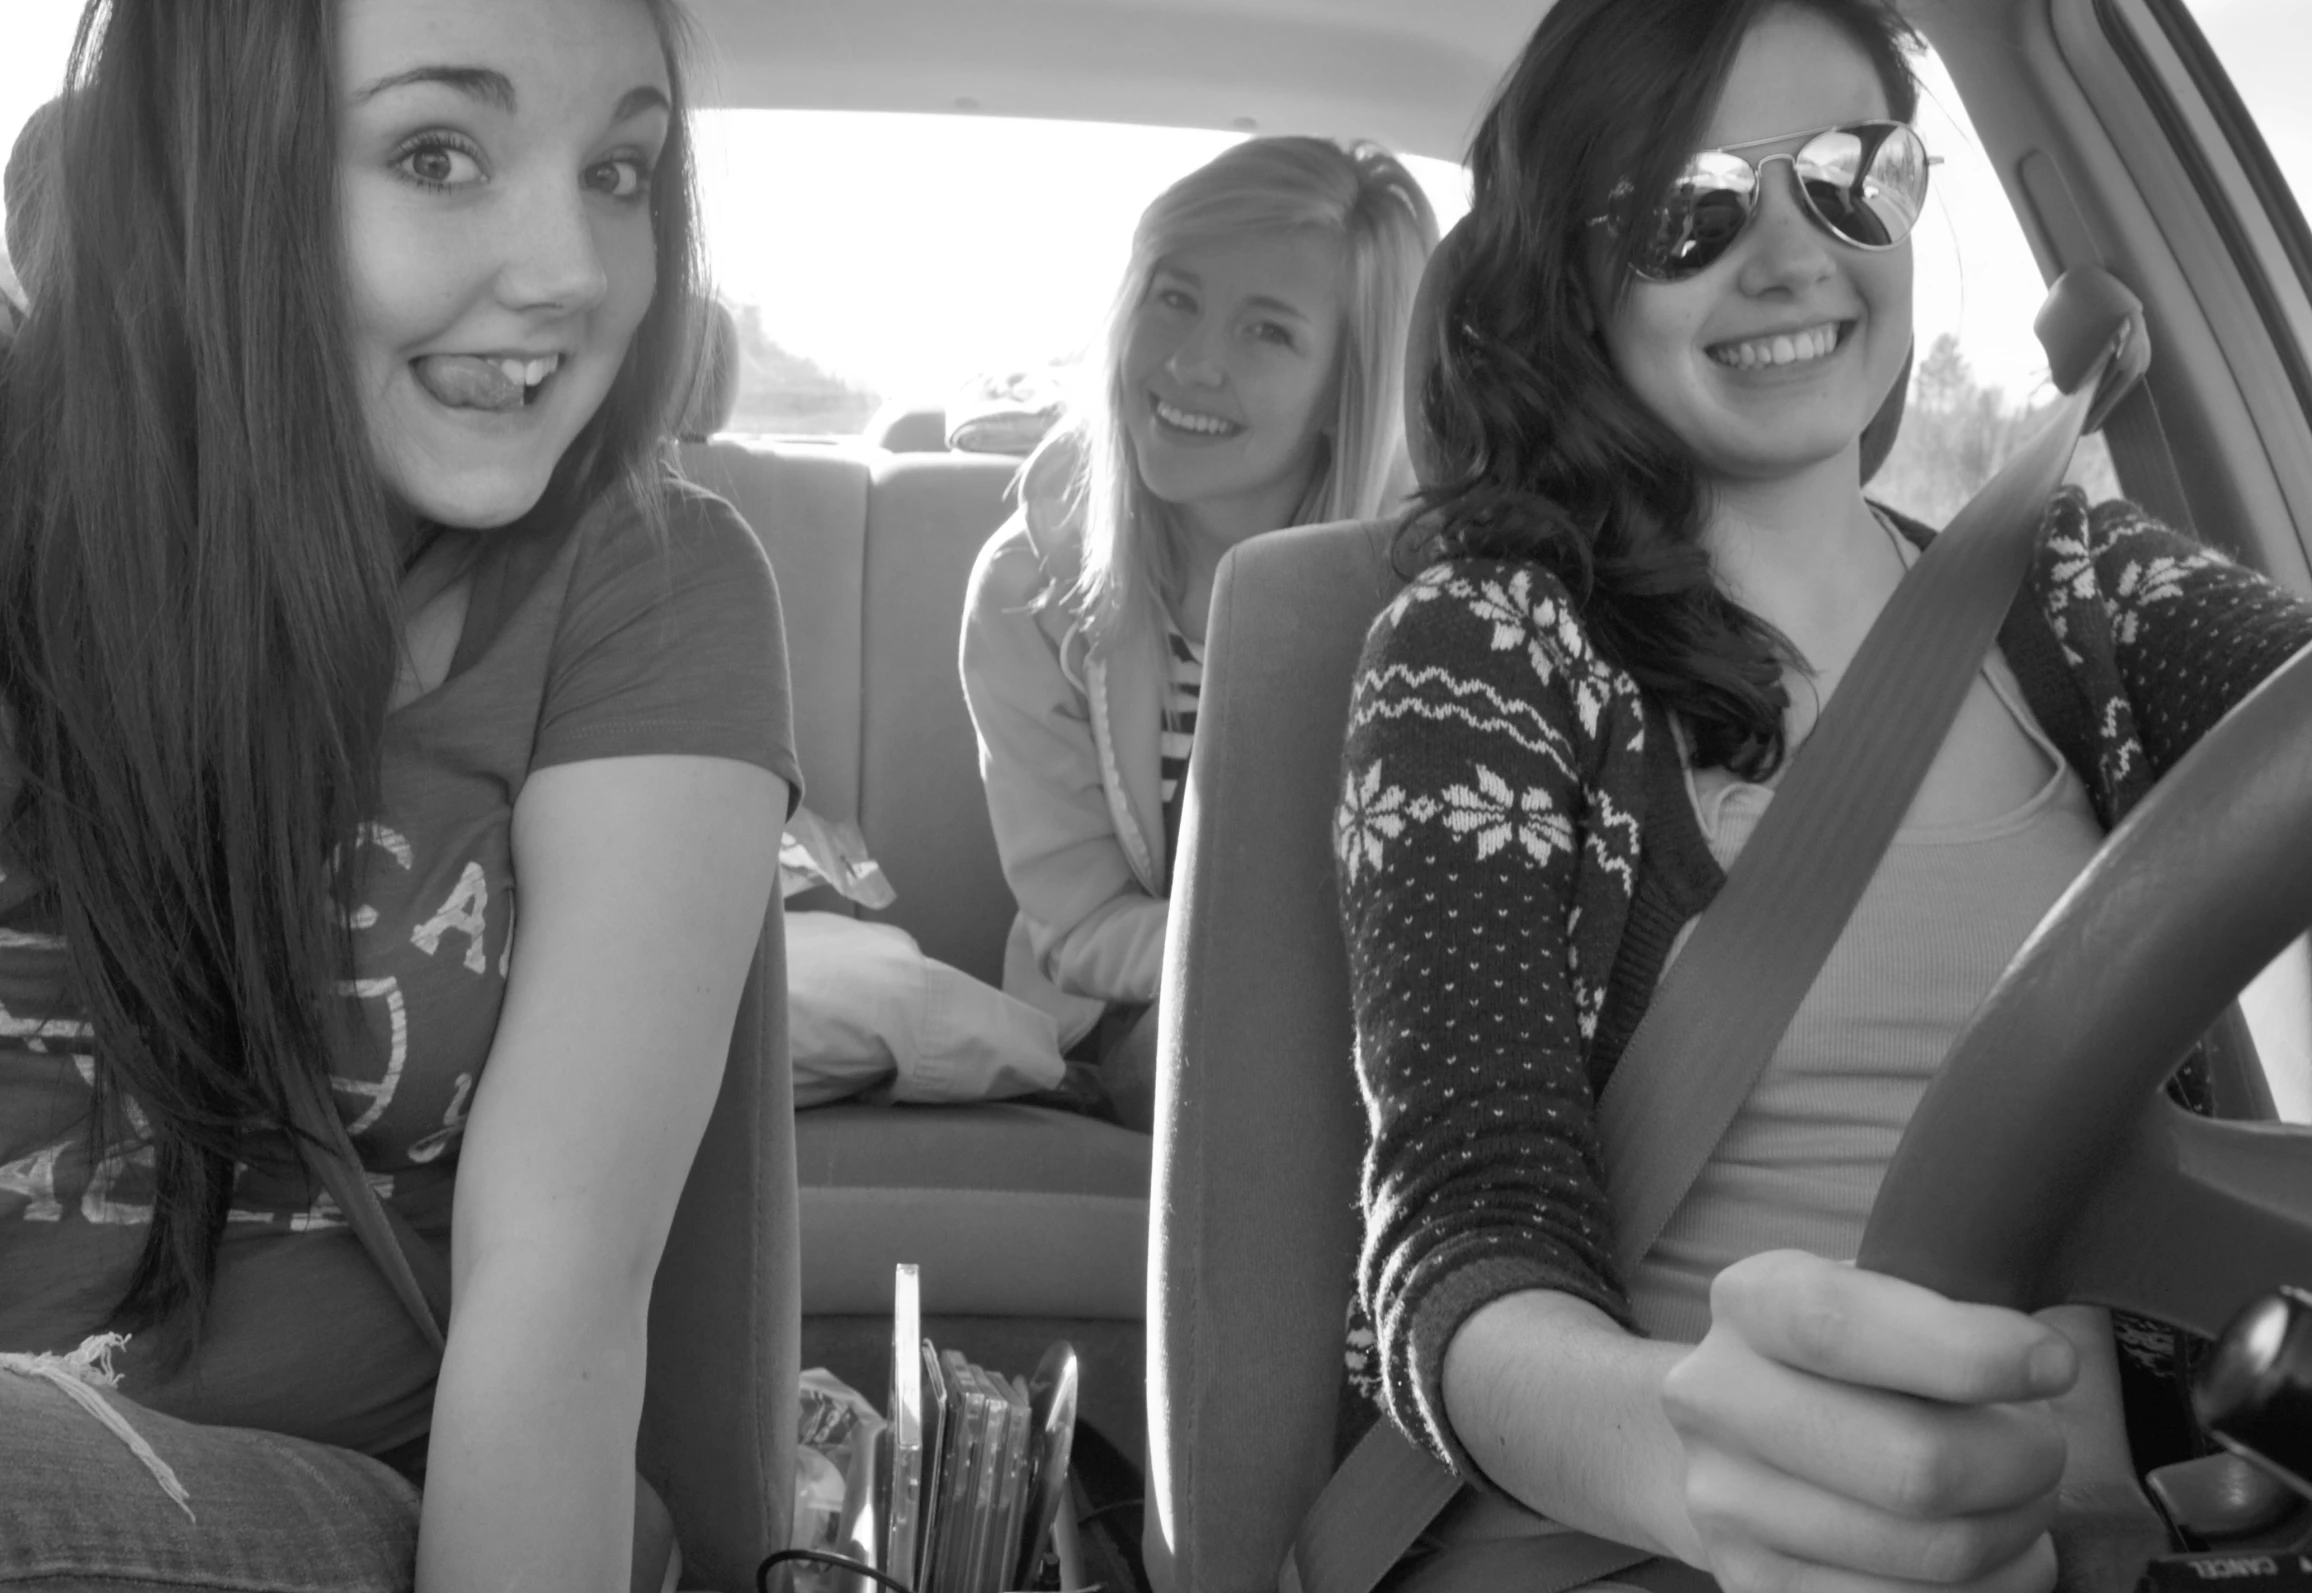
<point>413,1269</point>
<point>1759,947</point>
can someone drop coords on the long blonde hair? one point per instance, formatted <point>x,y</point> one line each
<point>1356,192</point>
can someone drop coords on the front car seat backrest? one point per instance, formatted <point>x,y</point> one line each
<point>905,427</point>
<point>710,396</point>
<point>1259,1129</point>
<point>1421,349</point>
<point>718,1406</point>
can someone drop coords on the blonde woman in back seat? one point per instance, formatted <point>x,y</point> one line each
<point>1253,363</point>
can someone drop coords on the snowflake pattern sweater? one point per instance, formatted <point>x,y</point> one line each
<point>1516,853</point>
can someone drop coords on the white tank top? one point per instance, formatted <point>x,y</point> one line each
<point>1939,921</point>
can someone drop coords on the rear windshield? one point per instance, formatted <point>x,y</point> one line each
<point>874,258</point>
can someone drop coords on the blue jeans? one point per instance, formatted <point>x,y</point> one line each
<point>80,1510</point>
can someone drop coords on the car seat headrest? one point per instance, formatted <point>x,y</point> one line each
<point>1421,353</point>
<point>905,426</point>
<point>1421,349</point>
<point>28,192</point>
<point>711,395</point>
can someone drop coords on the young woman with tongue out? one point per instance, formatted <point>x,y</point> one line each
<point>349,602</point>
<point>1645,560</point>
<point>1249,383</point>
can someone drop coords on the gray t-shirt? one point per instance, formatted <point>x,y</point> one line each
<point>595,641</point>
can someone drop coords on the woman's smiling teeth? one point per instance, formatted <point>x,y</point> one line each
<point>1191,421</point>
<point>496,382</point>
<point>1785,348</point>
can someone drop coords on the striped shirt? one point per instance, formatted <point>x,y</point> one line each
<point>1183,685</point>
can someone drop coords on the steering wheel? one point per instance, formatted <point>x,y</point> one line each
<point>2045,1164</point>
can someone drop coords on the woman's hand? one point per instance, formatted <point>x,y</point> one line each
<point>1845,1430</point>
<point>2107,1527</point>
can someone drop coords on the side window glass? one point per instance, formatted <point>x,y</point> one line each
<point>1978,377</point>
<point>2262,46</point>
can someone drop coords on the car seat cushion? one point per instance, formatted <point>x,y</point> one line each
<point>1010,1210</point>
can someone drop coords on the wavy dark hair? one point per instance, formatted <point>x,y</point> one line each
<point>199,565</point>
<point>1538,450</point>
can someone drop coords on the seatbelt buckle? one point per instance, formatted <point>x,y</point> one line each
<point>2092,321</point>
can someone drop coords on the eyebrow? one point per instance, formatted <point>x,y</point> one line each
<point>1259,301</point>
<point>637,100</point>
<point>1264,301</point>
<point>477,82</point>
<point>496,89</point>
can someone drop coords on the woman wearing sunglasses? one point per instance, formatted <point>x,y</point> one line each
<point>1649,560</point>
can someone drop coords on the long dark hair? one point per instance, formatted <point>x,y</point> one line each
<point>1539,449</point>
<point>198,564</point>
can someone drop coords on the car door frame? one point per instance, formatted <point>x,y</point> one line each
<point>2121,142</point>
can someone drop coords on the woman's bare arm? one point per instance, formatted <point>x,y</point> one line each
<point>644,882</point>
<point>1563,1409</point>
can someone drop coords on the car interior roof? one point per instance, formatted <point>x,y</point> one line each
<point>1411,76</point>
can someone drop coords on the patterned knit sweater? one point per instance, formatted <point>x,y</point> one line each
<point>1516,853</point>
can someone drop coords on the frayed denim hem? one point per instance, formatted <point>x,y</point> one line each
<point>82,1375</point>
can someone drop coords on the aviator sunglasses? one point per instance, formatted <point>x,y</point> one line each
<point>1864,183</point>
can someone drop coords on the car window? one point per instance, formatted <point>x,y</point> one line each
<point>2263,46</point>
<point>875,258</point>
<point>1979,378</point>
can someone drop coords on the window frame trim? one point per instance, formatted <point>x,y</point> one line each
<point>2274,202</point>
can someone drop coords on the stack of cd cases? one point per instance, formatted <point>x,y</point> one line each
<point>961,1506</point>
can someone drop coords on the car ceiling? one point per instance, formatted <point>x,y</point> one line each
<point>1412,73</point>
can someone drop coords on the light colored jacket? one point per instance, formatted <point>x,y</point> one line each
<point>1069,749</point>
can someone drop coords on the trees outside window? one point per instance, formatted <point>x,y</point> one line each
<point>1957,431</point>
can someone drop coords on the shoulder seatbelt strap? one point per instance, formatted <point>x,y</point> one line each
<point>1754,954</point>
<point>1724,1005</point>
<point>412,1268</point>
<point>1374,1507</point>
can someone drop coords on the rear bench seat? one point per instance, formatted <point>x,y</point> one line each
<point>1028,1224</point>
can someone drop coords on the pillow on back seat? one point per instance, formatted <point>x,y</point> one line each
<point>866,1008</point>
